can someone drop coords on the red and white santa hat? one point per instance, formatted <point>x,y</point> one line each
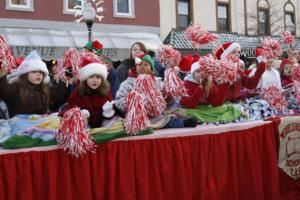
<point>224,50</point>
<point>90,67</point>
<point>31,63</point>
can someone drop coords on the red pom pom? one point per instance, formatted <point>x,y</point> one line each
<point>287,38</point>
<point>136,119</point>
<point>153,100</point>
<point>198,36</point>
<point>72,134</point>
<point>296,85</point>
<point>169,56</point>
<point>70,60</point>
<point>222,71</point>
<point>296,73</point>
<point>173,85</point>
<point>7,60</point>
<point>273,96</point>
<point>272,48</point>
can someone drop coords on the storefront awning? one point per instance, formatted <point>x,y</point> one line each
<point>248,43</point>
<point>52,43</point>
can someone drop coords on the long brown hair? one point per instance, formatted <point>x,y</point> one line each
<point>102,90</point>
<point>24,86</point>
<point>141,45</point>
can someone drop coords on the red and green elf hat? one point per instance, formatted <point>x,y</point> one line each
<point>95,47</point>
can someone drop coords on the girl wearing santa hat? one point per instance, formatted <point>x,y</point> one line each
<point>92,95</point>
<point>27,90</point>
<point>145,65</point>
<point>202,90</point>
<point>243,80</point>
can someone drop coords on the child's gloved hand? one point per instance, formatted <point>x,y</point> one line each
<point>108,110</point>
<point>86,113</point>
<point>261,59</point>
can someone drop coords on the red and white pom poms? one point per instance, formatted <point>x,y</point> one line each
<point>173,85</point>
<point>222,71</point>
<point>69,61</point>
<point>274,97</point>
<point>198,36</point>
<point>154,102</point>
<point>72,133</point>
<point>272,48</point>
<point>7,60</point>
<point>168,56</point>
<point>287,38</point>
<point>136,119</point>
<point>296,85</point>
<point>296,73</point>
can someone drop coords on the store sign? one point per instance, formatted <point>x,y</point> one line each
<point>289,150</point>
<point>54,53</point>
<point>248,53</point>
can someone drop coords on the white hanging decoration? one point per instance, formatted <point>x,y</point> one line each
<point>96,6</point>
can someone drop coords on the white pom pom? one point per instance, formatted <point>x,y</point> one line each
<point>86,113</point>
<point>138,61</point>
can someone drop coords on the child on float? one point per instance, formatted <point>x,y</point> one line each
<point>164,120</point>
<point>206,98</point>
<point>242,81</point>
<point>93,94</point>
<point>270,76</point>
<point>286,68</point>
<point>27,91</point>
<point>202,89</point>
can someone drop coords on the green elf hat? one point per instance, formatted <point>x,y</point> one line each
<point>95,47</point>
<point>146,58</point>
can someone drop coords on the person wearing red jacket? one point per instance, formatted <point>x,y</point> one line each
<point>202,90</point>
<point>243,80</point>
<point>92,95</point>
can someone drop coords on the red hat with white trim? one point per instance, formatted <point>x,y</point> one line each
<point>224,50</point>
<point>90,67</point>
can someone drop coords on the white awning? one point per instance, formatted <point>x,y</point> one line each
<point>52,43</point>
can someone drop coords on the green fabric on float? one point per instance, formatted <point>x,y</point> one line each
<point>209,114</point>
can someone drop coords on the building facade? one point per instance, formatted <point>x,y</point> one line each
<point>242,21</point>
<point>246,17</point>
<point>50,27</point>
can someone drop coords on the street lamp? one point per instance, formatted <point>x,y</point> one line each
<point>89,15</point>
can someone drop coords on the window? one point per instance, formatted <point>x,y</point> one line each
<point>183,13</point>
<point>290,22</point>
<point>22,5</point>
<point>223,18</point>
<point>263,17</point>
<point>289,17</point>
<point>70,6</point>
<point>263,22</point>
<point>124,8</point>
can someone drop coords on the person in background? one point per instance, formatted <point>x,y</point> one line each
<point>286,68</point>
<point>159,68</point>
<point>137,49</point>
